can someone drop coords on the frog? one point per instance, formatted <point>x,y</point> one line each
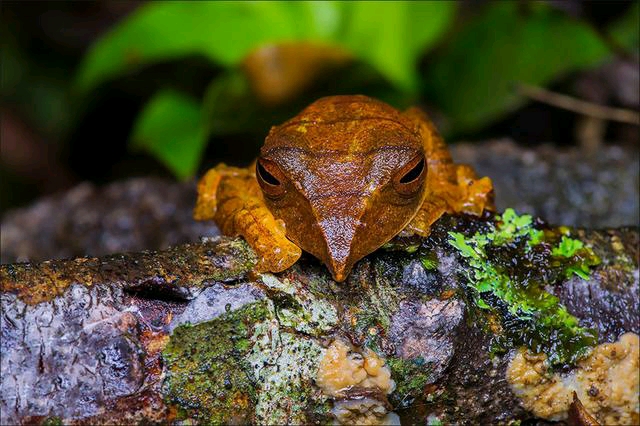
<point>339,180</point>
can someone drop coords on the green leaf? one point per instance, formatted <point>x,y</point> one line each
<point>170,128</point>
<point>482,304</point>
<point>473,79</point>
<point>625,30</point>
<point>459,242</point>
<point>390,36</point>
<point>221,31</point>
<point>567,247</point>
<point>484,284</point>
<point>581,270</point>
<point>536,237</point>
<point>429,264</point>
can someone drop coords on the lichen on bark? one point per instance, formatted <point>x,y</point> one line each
<point>218,344</point>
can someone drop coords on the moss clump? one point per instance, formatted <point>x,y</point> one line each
<point>284,366</point>
<point>411,376</point>
<point>429,261</point>
<point>298,308</point>
<point>253,365</point>
<point>507,269</point>
<point>578,257</point>
<point>206,375</point>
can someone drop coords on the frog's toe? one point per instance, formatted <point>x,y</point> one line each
<point>479,197</point>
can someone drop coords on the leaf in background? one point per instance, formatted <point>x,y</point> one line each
<point>472,80</point>
<point>391,36</point>
<point>229,106</point>
<point>388,35</point>
<point>170,128</point>
<point>221,31</point>
<point>625,30</point>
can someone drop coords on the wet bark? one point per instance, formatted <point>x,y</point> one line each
<point>191,332</point>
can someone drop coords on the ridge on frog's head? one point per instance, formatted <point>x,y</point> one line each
<point>345,175</point>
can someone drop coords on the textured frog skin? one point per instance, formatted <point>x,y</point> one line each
<point>338,181</point>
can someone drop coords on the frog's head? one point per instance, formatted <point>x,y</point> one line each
<point>345,175</point>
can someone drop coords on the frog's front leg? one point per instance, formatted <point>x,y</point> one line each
<point>475,195</point>
<point>468,195</point>
<point>232,198</point>
<point>451,188</point>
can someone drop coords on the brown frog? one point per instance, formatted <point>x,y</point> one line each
<point>339,180</point>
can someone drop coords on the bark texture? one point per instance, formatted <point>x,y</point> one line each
<point>191,332</point>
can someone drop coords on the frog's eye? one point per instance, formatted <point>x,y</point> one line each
<point>270,178</point>
<point>409,179</point>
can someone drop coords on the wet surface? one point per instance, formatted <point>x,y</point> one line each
<point>82,347</point>
<point>423,331</point>
<point>565,187</point>
<point>215,301</point>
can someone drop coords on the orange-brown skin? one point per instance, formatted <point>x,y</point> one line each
<point>339,180</point>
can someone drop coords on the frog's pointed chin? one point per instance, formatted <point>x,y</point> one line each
<point>338,232</point>
<point>340,274</point>
<point>354,232</point>
<point>340,260</point>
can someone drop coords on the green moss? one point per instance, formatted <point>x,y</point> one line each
<point>205,364</point>
<point>297,308</point>
<point>430,261</point>
<point>52,421</point>
<point>434,421</point>
<point>284,366</point>
<point>579,258</point>
<point>507,269</point>
<point>253,365</point>
<point>410,376</point>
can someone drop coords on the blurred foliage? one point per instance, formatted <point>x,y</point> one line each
<point>170,127</point>
<point>472,80</point>
<point>459,60</point>
<point>389,35</point>
<point>29,88</point>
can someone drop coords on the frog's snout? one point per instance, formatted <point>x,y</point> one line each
<point>338,233</point>
<point>339,272</point>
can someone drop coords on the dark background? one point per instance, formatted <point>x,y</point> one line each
<point>51,140</point>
